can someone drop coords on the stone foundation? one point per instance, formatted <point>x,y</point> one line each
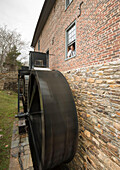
<point>8,81</point>
<point>96,91</point>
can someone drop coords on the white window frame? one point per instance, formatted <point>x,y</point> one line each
<point>66,40</point>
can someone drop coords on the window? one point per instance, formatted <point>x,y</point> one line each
<point>38,45</point>
<point>68,2</point>
<point>47,58</point>
<point>71,41</point>
<point>38,63</point>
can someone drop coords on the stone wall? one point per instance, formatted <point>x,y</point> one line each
<point>96,91</point>
<point>8,81</point>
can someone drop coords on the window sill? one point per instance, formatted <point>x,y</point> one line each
<point>66,7</point>
<point>70,57</point>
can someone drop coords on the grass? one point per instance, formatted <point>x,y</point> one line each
<point>8,109</point>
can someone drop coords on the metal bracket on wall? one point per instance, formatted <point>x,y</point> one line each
<point>80,9</point>
<point>52,54</point>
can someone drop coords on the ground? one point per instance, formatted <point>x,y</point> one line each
<point>8,109</point>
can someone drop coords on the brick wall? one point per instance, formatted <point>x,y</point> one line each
<point>93,75</point>
<point>97,33</point>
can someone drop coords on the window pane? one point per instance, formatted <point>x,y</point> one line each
<point>68,2</point>
<point>71,43</point>
<point>71,34</point>
<point>38,45</point>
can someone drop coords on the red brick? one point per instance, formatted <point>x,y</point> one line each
<point>89,32</point>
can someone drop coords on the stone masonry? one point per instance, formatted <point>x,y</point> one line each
<point>96,91</point>
<point>8,81</point>
<point>20,157</point>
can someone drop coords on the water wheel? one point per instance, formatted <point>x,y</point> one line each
<point>52,120</point>
<point>25,92</point>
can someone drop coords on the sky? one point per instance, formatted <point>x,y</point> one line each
<point>21,15</point>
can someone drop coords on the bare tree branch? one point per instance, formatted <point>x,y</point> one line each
<point>9,39</point>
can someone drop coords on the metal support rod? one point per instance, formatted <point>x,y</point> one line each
<point>36,113</point>
<point>22,115</point>
<point>80,9</point>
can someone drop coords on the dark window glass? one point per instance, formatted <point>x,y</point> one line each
<point>38,45</point>
<point>68,2</point>
<point>47,58</point>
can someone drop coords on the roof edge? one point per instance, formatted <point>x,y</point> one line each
<point>46,9</point>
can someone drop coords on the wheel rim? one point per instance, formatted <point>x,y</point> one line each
<point>35,123</point>
<point>53,125</point>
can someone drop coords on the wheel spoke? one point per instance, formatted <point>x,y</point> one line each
<point>36,113</point>
<point>33,94</point>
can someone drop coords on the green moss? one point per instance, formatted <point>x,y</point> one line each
<point>8,109</point>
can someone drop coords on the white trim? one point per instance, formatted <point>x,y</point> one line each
<point>66,39</point>
<point>42,69</point>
